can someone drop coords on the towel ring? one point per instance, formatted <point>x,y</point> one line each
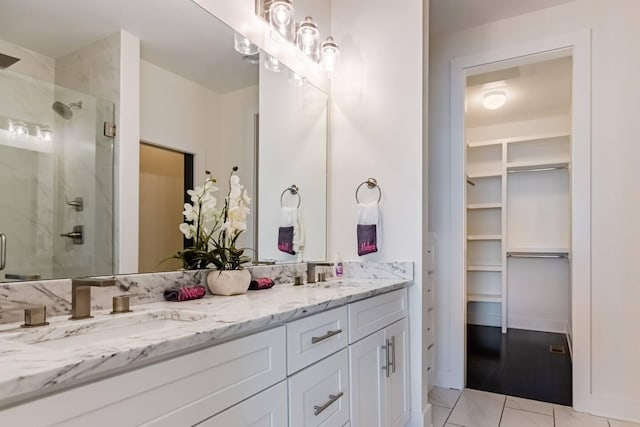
<point>371,183</point>
<point>294,191</point>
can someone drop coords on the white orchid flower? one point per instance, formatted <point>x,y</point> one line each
<point>189,230</point>
<point>245,198</point>
<point>190,213</point>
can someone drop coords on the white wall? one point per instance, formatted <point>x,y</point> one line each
<point>376,130</point>
<point>293,150</point>
<point>178,114</point>
<point>615,230</point>
<point>236,147</point>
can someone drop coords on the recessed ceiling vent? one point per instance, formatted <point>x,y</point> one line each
<point>7,61</point>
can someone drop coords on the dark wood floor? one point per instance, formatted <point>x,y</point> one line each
<point>518,363</point>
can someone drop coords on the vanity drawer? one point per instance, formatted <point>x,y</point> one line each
<point>319,395</point>
<point>315,337</point>
<point>373,314</point>
<point>265,409</point>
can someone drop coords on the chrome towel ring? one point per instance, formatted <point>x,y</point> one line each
<point>294,191</point>
<point>371,183</point>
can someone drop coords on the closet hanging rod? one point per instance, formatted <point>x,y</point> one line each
<point>552,168</point>
<point>536,255</point>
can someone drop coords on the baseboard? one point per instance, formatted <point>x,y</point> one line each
<point>421,419</point>
<point>617,407</point>
<point>484,319</point>
<point>570,343</point>
<point>536,324</point>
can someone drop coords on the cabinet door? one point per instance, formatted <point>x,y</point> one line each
<point>266,409</point>
<point>319,394</point>
<point>397,384</point>
<point>366,360</point>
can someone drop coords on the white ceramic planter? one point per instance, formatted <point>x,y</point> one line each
<point>228,282</point>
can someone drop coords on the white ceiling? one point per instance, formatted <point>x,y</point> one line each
<point>454,15</point>
<point>540,90</point>
<point>175,34</point>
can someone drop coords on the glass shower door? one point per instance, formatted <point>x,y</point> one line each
<point>56,181</point>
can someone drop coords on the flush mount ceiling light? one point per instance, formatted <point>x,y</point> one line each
<point>494,99</point>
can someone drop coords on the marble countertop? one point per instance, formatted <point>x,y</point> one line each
<point>30,365</point>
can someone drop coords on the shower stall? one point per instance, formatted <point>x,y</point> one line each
<point>56,181</point>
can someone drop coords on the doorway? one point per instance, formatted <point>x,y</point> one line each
<point>578,47</point>
<point>518,222</point>
<point>165,176</point>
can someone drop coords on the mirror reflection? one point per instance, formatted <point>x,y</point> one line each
<point>203,106</point>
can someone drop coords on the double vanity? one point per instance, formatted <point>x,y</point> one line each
<point>330,353</point>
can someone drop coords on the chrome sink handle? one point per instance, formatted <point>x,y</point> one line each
<point>34,315</point>
<point>3,251</point>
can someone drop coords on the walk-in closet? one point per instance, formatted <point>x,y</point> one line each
<point>518,229</point>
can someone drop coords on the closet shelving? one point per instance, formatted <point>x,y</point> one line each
<point>496,168</point>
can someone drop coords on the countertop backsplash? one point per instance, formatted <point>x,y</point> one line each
<point>148,287</point>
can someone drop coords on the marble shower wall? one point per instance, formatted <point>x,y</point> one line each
<point>26,162</point>
<point>147,288</point>
<point>88,166</point>
<point>37,177</point>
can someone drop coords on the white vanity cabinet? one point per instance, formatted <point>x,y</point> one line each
<point>379,362</point>
<point>346,366</point>
<point>181,391</point>
<point>265,409</point>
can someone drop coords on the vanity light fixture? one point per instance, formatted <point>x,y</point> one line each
<point>494,99</point>
<point>308,39</point>
<point>243,45</point>
<point>19,129</point>
<point>272,64</point>
<point>330,54</point>
<point>296,79</point>
<point>251,59</point>
<point>45,134</point>
<point>282,18</point>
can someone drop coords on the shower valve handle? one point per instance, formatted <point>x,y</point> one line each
<point>77,235</point>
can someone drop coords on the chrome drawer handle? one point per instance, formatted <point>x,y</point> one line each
<point>329,334</point>
<point>387,358</point>
<point>317,410</point>
<point>3,251</point>
<point>393,354</point>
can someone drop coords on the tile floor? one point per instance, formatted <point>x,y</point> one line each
<point>475,408</point>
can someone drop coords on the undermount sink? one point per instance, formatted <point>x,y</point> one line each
<point>73,334</point>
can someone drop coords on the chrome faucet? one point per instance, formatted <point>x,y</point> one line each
<point>311,269</point>
<point>81,296</point>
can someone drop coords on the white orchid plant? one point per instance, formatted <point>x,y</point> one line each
<point>214,230</point>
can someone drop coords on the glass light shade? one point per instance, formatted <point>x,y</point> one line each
<point>282,18</point>
<point>308,39</point>
<point>330,55</point>
<point>296,79</point>
<point>494,99</point>
<point>243,45</point>
<point>272,64</point>
<point>45,134</point>
<point>19,129</point>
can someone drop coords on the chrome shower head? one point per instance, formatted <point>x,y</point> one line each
<point>64,110</point>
